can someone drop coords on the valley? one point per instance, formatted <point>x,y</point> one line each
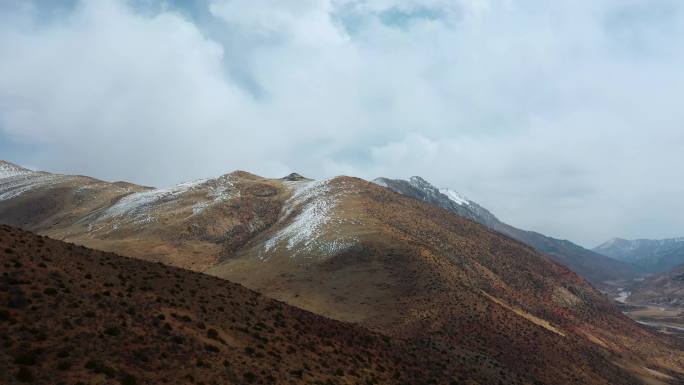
<point>663,316</point>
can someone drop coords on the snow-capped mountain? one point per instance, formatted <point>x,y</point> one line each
<point>655,255</point>
<point>418,188</point>
<point>592,266</point>
<point>8,170</point>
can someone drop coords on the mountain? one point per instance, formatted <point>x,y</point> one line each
<point>653,255</point>
<point>418,188</point>
<point>592,266</point>
<point>69,314</point>
<point>665,288</point>
<point>357,252</point>
<point>8,170</point>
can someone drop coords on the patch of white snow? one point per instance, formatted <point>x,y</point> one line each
<point>8,170</point>
<point>313,203</point>
<point>455,197</point>
<point>18,184</point>
<point>138,204</point>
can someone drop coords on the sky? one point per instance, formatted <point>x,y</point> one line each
<point>564,117</point>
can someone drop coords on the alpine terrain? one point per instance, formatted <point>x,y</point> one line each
<point>357,252</point>
<point>591,265</point>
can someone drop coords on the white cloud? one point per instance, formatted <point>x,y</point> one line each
<point>561,116</point>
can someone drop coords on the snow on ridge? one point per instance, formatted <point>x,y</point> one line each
<point>9,170</point>
<point>141,205</point>
<point>380,182</point>
<point>223,191</point>
<point>455,197</point>
<point>137,204</point>
<point>20,183</point>
<point>303,233</point>
<point>313,215</point>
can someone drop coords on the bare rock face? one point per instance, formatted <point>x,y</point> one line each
<point>294,177</point>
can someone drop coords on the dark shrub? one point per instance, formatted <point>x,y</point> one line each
<point>27,358</point>
<point>127,379</point>
<point>50,291</point>
<point>24,375</point>
<point>212,333</point>
<point>250,377</point>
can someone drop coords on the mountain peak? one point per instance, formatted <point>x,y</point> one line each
<point>455,196</point>
<point>294,177</point>
<point>421,183</point>
<point>8,170</point>
<point>611,242</point>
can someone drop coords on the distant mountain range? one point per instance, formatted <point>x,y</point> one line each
<point>651,255</point>
<point>593,266</point>
<point>662,258</point>
<point>353,251</point>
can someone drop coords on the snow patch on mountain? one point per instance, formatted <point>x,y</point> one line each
<point>455,197</point>
<point>142,207</point>
<point>199,207</point>
<point>380,182</point>
<point>138,205</point>
<point>219,191</point>
<point>313,202</point>
<point>314,209</point>
<point>21,183</point>
<point>9,170</point>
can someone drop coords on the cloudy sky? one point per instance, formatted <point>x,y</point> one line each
<point>565,117</point>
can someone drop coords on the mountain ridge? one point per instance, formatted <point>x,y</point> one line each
<point>592,266</point>
<point>655,255</point>
<point>357,252</point>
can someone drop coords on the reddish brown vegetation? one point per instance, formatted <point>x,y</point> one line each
<point>71,315</point>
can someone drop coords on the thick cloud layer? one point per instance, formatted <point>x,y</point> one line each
<point>563,117</point>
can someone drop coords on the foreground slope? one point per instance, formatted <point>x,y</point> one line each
<point>73,315</point>
<point>591,265</point>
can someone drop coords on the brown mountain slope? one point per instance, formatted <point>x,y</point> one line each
<point>406,268</point>
<point>592,266</point>
<point>354,251</point>
<point>73,315</point>
<point>189,225</point>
